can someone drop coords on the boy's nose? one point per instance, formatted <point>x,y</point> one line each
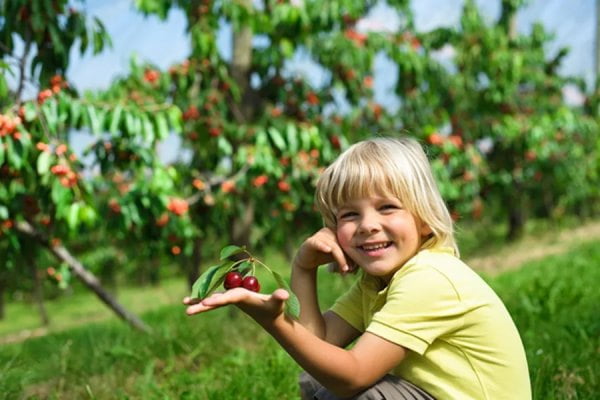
<point>368,225</point>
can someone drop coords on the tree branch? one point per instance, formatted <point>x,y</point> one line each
<point>85,276</point>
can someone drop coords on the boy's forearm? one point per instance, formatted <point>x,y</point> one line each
<point>304,285</point>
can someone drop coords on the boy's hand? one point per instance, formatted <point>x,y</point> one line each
<point>262,307</point>
<point>322,248</point>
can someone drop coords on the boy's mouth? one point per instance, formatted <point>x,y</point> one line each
<point>375,246</point>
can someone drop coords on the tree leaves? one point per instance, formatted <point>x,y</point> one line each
<point>229,251</point>
<point>210,279</point>
<point>43,162</point>
<point>292,305</point>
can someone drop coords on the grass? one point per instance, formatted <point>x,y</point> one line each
<point>556,305</point>
<point>224,355</point>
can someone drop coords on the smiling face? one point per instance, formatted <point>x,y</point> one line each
<point>379,234</point>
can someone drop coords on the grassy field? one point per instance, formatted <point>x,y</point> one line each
<point>223,355</point>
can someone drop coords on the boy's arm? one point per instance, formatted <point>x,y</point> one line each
<point>319,249</point>
<point>344,372</point>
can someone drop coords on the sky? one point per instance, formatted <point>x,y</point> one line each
<point>164,43</point>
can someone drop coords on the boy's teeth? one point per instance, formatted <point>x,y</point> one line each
<point>375,246</point>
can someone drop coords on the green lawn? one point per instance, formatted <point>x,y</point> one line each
<point>223,355</point>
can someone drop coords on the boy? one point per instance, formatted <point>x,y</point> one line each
<point>422,323</point>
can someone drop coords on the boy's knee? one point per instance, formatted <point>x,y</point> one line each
<point>390,387</point>
<point>308,386</point>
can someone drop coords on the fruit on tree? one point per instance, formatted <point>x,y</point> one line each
<point>228,186</point>
<point>251,283</point>
<point>214,131</point>
<point>151,75</point>
<point>233,279</point>
<point>191,113</point>
<point>44,95</point>
<point>178,206</point>
<point>260,180</point>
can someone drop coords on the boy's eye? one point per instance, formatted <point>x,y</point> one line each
<point>387,207</point>
<point>347,214</point>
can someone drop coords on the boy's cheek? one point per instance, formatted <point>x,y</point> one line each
<point>343,239</point>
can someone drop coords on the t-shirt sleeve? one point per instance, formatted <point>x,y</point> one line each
<point>349,306</point>
<point>421,306</point>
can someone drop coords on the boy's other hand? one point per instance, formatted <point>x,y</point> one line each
<point>322,248</point>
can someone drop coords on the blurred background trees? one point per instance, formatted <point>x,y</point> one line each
<point>486,101</point>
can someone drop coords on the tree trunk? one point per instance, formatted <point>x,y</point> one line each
<point>516,221</point>
<point>38,294</point>
<point>88,279</point>
<point>508,18</point>
<point>241,225</point>
<point>516,216</point>
<point>240,69</point>
<point>2,294</point>
<point>193,268</point>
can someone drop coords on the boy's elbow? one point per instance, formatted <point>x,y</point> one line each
<point>349,388</point>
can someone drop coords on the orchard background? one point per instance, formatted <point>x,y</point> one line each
<point>505,145</point>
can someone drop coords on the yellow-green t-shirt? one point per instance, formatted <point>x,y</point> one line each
<point>461,339</point>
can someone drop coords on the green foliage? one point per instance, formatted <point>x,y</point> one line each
<point>53,28</point>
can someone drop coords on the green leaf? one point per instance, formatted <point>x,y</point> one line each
<point>203,285</point>
<point>162,127</point>
<point>30,111</point>
<point>73,216</point>
<point>13,154</point>
<point>3,87</point>
<point>115,119</point>
<point>87,215</point>
<point>43,162</point>
<point>292,138</point>
<point>75,113</point>
<point>3,212</point>
<point>50,111</point>
<point>286,47</point>
<point>277,138</point>
<point>292,305</point>
<point>147,128</point>
<point>175,119</point>
<point>244,267</point>
<point>219,277</point>
<point>95,123</point>
<point>230,250</point>
<point>224,146</point>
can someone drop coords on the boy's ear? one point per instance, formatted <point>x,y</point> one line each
<point>425,229</point>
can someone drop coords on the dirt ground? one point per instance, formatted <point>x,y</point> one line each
<point>530,249</point>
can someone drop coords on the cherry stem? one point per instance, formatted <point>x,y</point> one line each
<point>263,264</point>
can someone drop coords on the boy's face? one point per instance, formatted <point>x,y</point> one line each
<point>378,234</point>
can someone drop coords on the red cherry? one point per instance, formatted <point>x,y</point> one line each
<point>251,283</point>
<point>232,280</point>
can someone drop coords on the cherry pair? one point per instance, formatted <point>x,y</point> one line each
<point>234,279</point>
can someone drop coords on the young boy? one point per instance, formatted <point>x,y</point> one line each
<point>421,324</point>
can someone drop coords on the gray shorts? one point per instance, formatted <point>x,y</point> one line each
<point>389,387</point>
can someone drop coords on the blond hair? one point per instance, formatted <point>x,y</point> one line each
<point>395,167</point>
